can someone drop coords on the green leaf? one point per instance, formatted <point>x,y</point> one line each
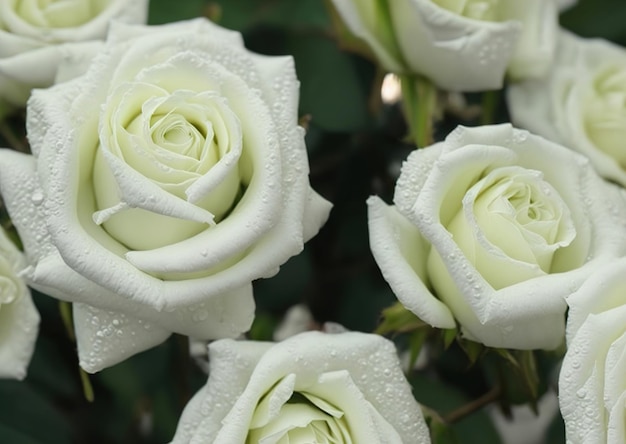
<point>472,349</point>
<point>287,287</point>
<point>334,86</point>
<point>263,327</point>
<point>518,375</point>
<point>416,342</point>
<point>600,18</point>
<point>506,354</point>
<point>397,319</point>
<point>448,335</point>
<point>441,433</point>
<point>30,415</point>
<point>12,436</point>
<point>528,367</point>
<point>285,14</point>
<point>166,11</point>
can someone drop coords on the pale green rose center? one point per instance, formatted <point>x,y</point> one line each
<point>605,112</point>
<point>58,13</point>
<point>509,217</point>
<point>173,140</point>
<point>303,419</point>
<point>485,10</point>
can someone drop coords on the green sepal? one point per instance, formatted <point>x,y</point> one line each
<point>397,319</point>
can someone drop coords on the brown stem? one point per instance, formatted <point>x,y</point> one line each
<point>469,408</point>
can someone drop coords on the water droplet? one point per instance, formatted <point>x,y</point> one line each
<point>200,315</point>
<point>37,198</point>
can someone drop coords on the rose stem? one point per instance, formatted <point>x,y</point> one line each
<point>490,101</point>
<point>65,308</point>
<point>463,411</point>
<point>420,100</point>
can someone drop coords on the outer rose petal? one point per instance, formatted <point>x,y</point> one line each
<point>588,404</point>
<point>241,372</point>
<point>603,292</point>
<point>400,252</point>
<point>19,319</point>
<point>19,322</point>
<point>105,338</point>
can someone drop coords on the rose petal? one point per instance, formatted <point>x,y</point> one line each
<point>19,322</point>
<point>440,45</point>
<point>227,314</point>
<point>105,338</point>
<point>536,46</point>
<point>400,253</point>
<point>129,11</point>
<point>123,31</point>
<point>581,382</point>
<point>365,20</point>
<point>604,291</point>
<point>231,365</point>
<point>24,202</point>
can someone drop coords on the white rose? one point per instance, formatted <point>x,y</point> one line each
<point>310,388</point>
<point>493,227</point>
<point>581,103</point>
<point>592,385</point>
<point>163,181</point>
<point>462,45</point>
<point>19,320</point>
<point>36,36</point>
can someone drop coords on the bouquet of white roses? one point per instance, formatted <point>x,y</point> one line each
<point>350,221</point>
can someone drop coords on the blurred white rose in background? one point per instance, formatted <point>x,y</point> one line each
<point>459,45</point>
<point>36,36</point>
<point>581,103</point>
<point>19,319</point>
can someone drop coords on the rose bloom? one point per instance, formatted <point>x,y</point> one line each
<point>36,36</point>
<point>19,319</point>
<point>592,385</point>
<point>492,228</point>
<point>581,103</point>
<point>163,181</point>
<point>311,388</point>
<point>459,45</point>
